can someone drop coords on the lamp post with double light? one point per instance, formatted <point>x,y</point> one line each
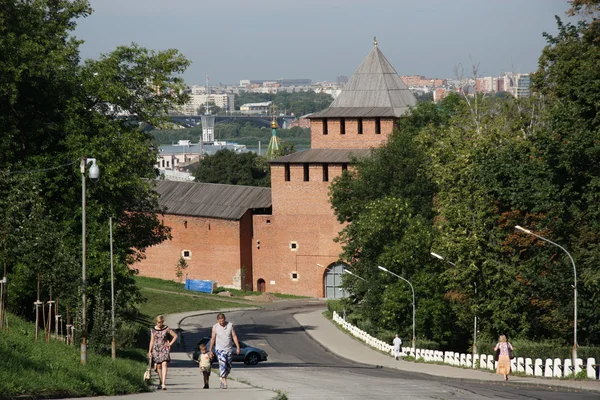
<point>94,173</point>
<point>575,345</point>
<point>474,318</point>
<point>414,338</point>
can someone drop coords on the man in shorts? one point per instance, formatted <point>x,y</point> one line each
<point>223,338</point>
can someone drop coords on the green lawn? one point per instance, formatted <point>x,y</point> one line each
<point>171,303</point>
<point>39,369</point>
<point>154,283</point>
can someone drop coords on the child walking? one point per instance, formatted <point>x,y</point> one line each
<point>204,364</point>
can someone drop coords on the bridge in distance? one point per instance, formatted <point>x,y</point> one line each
<point>190,121</point>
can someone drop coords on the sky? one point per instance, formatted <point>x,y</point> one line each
<point>231,40</point>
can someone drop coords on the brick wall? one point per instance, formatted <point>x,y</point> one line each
<point>350,139</point>
<point>302,215</point>
<point>219,249</point>
<point>275,260</point>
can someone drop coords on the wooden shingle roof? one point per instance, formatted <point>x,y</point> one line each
<point>331,156</point>
<point>210,199</point>
<point>375,90</point>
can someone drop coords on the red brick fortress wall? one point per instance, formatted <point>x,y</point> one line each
<point>299,235</point>
<point>350,138</point>
<point>215,246</point>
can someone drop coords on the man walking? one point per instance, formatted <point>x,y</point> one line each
<point>397,343</point>
<point>223,337</point>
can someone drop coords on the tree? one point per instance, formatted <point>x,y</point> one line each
<point>229,167</point>
<point>180,267</point>
<point>54,110</point>
<point>387,202</point>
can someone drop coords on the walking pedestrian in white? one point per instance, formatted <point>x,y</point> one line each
<point>397,343</point>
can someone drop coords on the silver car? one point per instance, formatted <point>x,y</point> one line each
<point>248,355</point>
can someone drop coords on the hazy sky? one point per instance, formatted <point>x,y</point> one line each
<point>229,40</point>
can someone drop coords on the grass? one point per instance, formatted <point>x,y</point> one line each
<point>52,369</point>
<point>159,284</point>
<point>244,293</point>
<point>172,303</point>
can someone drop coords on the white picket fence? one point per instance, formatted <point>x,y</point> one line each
<point>550,368</point>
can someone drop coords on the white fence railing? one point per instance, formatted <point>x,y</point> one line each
<point>550,368</point>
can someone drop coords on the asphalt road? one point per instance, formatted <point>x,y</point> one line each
<point>303,369</point>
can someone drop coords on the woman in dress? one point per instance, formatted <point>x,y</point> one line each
<point>503,364</point>
<point>160,347</point>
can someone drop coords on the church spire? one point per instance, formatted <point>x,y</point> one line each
<point>273,149</point>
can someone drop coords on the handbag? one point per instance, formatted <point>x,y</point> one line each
<point>511,355</point>
<point>148,373</point>
<point>497,355</point>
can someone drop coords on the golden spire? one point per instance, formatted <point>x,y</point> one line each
<point>375,41</point>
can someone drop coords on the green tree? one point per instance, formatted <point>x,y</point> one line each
<point>229,167</point>
<point>180,267</point>
<point>387,201</point>
<point>54,110</point>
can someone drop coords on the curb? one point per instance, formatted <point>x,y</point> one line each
<point>541,385</point>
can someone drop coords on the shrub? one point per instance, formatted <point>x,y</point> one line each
<point>335,305</point>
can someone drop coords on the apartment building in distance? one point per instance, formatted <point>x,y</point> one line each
<point>519,85</point>
<point>421,81</point>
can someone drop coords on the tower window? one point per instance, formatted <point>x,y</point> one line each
<point>342,126</point>
<point>359,125</point>
<point>293,246</point>
<point>377,126</point>
<point>287,172</point>
<point>295,275</point>
<point>325,132</point>
<point>325,172</point>
<point>306,173</point>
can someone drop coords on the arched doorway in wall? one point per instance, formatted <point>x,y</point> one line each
<point>332,281</point>
<point>260,285</point>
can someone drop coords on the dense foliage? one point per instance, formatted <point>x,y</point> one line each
<point>232,168</point>
<point>456,179</point>
<point>54,110</point>
<point>297,103</point>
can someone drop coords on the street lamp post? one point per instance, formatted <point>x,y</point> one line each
<point>112,292</point>
<point>94,173</point>
<point>353,274</point>
<point>474,318</point>
<point>414,338</point>
<point>575,345</point>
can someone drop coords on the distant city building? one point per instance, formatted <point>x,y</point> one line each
<point>420,80</point>
<point>519,85</point>
<point>199,98</point>
<point>523,87</point>
<point>280,82</point>
<point>485,85</point>
<point>439,94</point>
<point>256,108</point>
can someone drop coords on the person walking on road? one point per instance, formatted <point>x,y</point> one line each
<point>503,363</point>
<point>204,362</point>
<point>223,337</point>
<point>397,343</point>
<point>160,348</point>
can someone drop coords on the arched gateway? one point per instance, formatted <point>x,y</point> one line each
<point>332,281</point>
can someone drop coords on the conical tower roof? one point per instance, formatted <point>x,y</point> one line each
<point>375,90</point>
